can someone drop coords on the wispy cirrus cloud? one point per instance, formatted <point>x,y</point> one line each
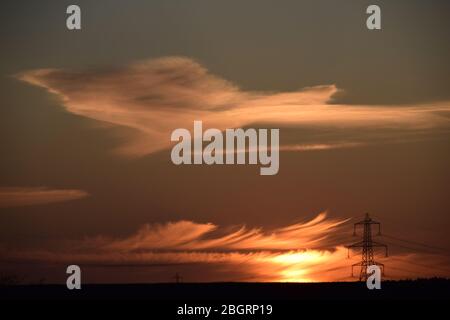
<point>157,96</point>
<point>187,235</point>
<point>20,196</point>
<point>304,251</point>
<point>288,253</point>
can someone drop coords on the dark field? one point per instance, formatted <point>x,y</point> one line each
<point>390,290</point>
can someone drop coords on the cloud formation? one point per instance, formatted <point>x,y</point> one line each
<point>187,235</point>
<point>16,197</point>
<point>303,251</point>
<point>156,96</point>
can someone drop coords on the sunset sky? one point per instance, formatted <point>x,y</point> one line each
<point>86,116</point>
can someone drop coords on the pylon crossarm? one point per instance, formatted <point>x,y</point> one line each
<point>360,223</point>
<point>356,245</point>
<point>380,245</point>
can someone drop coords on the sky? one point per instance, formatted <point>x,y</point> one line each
<point>86,116</point>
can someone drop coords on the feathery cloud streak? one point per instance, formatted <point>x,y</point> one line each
<point>15,196</point>
<point>303,251</point>
<point>156,96</point>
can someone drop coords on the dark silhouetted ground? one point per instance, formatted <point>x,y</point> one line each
<point>391,290</point>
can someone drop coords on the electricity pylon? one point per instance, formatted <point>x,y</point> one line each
<point>367,245</point>
<point>178,278</point>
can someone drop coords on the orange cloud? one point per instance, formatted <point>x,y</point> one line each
<point>187,235</point>
<point>14,197</point>
<point>321,146</point>
<point>301,252</point>
<point>156,96</point>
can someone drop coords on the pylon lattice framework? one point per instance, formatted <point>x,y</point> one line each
<point>367,247</point>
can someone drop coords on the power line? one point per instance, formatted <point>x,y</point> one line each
<point>421,265</point>
<point>368,255</point>
<point>409,248</point>
<point>421,249</point>
<point>417,243</point>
